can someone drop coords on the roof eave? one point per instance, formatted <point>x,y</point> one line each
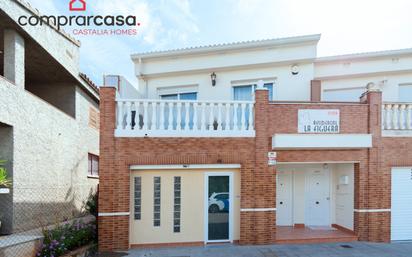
<point>230,46</point>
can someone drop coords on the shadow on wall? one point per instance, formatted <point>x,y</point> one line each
<point>47,211</point>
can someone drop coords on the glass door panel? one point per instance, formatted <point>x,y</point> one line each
<point>218,208</point>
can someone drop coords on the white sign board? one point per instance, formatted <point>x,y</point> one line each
<point>271,158</point>
<point>322,121</point>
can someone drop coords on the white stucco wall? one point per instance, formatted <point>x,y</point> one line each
<point>226,79</point>
<point>50,155</point>
<point>390,89</point>
<point>344,195</point>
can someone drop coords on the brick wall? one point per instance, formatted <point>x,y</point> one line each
<point>258,190</point>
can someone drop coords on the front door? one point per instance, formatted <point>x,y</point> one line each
<point>317,201</point>
<point>284,215</point>
<point>219,207</point>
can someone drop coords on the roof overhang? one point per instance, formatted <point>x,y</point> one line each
<point>228,47</point>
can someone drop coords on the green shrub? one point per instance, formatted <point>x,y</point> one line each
<point>67,237</point>
<point>4,180</point>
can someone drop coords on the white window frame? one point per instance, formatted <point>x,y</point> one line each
<point>206,206</point>
<point>340,90</point>
<point>243,83</point>
<point>399,88</point>
<point>177,90</point>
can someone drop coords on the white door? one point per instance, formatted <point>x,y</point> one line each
<point>317,200</point>
<point>401,221</point>
<point>284,214</point>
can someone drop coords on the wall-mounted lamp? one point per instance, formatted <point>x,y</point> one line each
<point>213,77</point>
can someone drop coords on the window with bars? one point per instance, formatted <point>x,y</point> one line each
<point>137,198</point>
<point>93,165</point>
<point>177,204</point>
<point>156,202</point>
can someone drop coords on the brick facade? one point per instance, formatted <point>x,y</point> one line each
<point>258,180</point>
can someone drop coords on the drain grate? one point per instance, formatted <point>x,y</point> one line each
<point>346,246</point>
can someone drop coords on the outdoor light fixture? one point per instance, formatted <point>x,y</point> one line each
<point>213,77</point>
<point>295,69</point>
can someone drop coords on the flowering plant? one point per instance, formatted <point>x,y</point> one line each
<point>67,237</point>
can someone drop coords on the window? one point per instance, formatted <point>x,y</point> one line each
<point>156,201</point>
<point>93,165</point>
<point>245,93</point>
<point>177,204</point>
<point>180,96</point>
<point>405,93</point>
<point>343,94</point>
<point>137,198</point>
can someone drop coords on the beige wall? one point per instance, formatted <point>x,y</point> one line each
<point>192,204</point>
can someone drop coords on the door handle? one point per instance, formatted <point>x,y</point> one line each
<point>280,202</point>
<point>317,202</point>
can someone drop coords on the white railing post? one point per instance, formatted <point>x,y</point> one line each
<point>153,119</point>
<point>219,116</point>
<point>195,116</point>
<point>162,116</point>
<point>203,116</point>
<point>145,114</point>
<point>408,116</point>
<point>227,114</point>
<point>210,117</point>
<point>187,116</point>
<point>250,117</point>
<point>243,116</point>
<point>388,116</point>
<point>170,116</point>
<point>119,118</point>
<point>235,118</point>
<point>395,120</point>
<point>179,116</point>
<point>402,117</point>
<point>128,114</point>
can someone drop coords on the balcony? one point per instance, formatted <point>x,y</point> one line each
<point>397,119</point>
<point>184,118</point>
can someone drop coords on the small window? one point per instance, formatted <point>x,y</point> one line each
<point>405,93</point>
<point>93,165</point>
<point>156,201</point>
<point>343,94</point>
<point>245,93</point>
<point>177,204</point>
<point>180,96</point>
<point>137,198</point>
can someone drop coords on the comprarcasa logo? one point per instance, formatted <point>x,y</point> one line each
<point>85,24</point>
<point>77,5</point>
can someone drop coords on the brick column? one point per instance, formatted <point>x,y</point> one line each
<point>107,182</point>
<point>373,194</point>
<point>257,216</point>
<point>14,57</point>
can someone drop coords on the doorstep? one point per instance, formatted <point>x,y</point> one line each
<point>306,235</point>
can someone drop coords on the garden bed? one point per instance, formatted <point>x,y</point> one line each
<point>84,251</point>
<point>69,239</point>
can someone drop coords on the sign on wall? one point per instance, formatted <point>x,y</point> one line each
<point>318,121</point>
<point>271,158</point>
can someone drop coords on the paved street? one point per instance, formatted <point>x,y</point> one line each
<point>356,249</point>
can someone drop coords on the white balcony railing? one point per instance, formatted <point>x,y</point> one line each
<point>397,116</point>
<point>186,118</point>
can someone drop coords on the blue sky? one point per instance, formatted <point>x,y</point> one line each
<point>348,26</point>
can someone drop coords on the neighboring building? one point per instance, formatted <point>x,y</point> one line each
<point>203,157</point>
<point>49,124</point>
